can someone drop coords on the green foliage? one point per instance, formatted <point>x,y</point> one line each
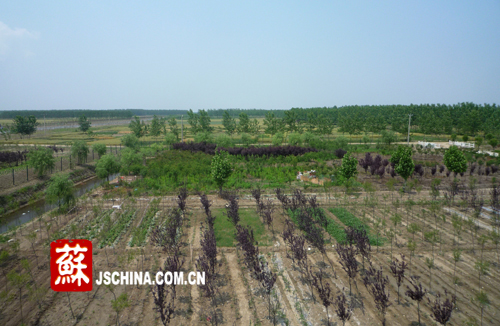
<point>204,137</point>
<point>223,141</point>
<point>404,164</point>
<point>122,222</point>
<point>141,232</point>
<point>60,190</point>
<point>41,160</point>
<point>493,142</point>
<point>25,125</point>
<point>246,140</point>
<point>130,141</point>
<point>465,138</point>
<point>131,161</point>
<point>389,137</point>
<point>341,142</point>
<point>107,165</point>
<point>80,150</point>
<point>454,160</point>
<point>100,149</point>
<point>278,139</point>
<point>84,123</point>
<point>350,220</point>
<point>272,124</point>
<point>172,124</point>
<point>156,127</point>
<point>170,139</point>
<point>348,169</point>
<point>138,127</point>
<point>294,139</point>
<point>311,140</point>
<point>220,168</point>
<point>224,230</point>
<point>243,123</point>
<point>229,124</point>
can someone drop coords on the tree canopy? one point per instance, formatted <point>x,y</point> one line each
<point>84,123</point>
<point>60,191</point>
<point>454,160</point>
<point>25,126</point>
<point>41,160</point>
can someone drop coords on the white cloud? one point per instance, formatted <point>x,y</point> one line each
<point>9,35</point>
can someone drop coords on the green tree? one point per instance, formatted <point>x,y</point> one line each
<point>138,127</point>
<point>278,139</point>
<point>223,141</point>
<point>272,123</point>
<point>131,161</point>
<point>204,121</point>
<point>348,169</point>
<point>41,160</point>
<point>243,123</point>
<point>455,160</point>
<point>60,191</point>
<point>25,126</point>
<point>130,141</point>
<point>170,139</point>
<point>80,150</point>
<point>221,168</point>
<point>193,120</point>
<point>107,165</point>
<point>18,281</point>
<point>172,124</point>
<point>84,123</point>
<point>479,141</point>
<point>294,139</point>
<point>341,142</point>
<point>404,164</point>
<point>204,137</point>
<point>481,298</point>
<point>246,140</point>
<point>493,142</point>
<point>100,149</point>
<point>156,127</point>
<point>119,305</point>
<point>229,123</point>
<point>389,137</point>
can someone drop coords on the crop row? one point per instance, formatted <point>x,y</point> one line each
<point>122,223</point>
<point>350,220</point>
<point>93,228</point>
<point>141,232</point>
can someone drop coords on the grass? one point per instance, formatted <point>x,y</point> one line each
<point>225,230</point>
<point>349,219</point>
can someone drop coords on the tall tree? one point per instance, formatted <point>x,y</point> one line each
<point>229,123</point>
<point>455,160</point>
<point>60,191</point>
<point>403,163</point>
<point>156,127</point>
<point>243,123</point>
<point>41,160</point>
<point>84,123</point>
<point>172,124</point>
<point>80,150</point>
<point>204,121</point>
<point>25,126</point>
<point>193,120</point>
<point>221,168</point>
<point>138,127</point>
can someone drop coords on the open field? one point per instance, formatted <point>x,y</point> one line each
<point>241,301</point>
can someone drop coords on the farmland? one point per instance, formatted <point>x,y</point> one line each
<point>353,238</point>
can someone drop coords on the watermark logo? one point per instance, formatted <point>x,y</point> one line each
<point>71,265</point>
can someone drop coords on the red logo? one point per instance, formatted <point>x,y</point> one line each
<point>71,265</point>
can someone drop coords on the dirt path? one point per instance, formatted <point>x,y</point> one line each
<point>239,289</point>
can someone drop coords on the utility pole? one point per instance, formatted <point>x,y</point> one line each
<point>182,130</point>
<point>409,122</point>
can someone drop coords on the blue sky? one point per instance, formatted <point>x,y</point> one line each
<point>254,54</point>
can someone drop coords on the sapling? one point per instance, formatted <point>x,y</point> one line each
<point>441,310</point>
<point>119,305</point>
<point>18,281</point>
<point>347,254</point>
<point>481,298</point>
<point>232,210</point>
<point>391,235</point>
<point>412,246</point>
<point>416,292</point>
<point>482,268</point>
<point>342,308</point>
<point>398,271</point>
<point>256,193</point>
<point>376,284</point>
<point>324,291</point>
<point>267,280</point>
<point>32,238</point>
<point>430,265</point>
<point>206,206</point>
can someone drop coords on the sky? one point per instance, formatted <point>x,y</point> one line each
<point>246,54</point>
